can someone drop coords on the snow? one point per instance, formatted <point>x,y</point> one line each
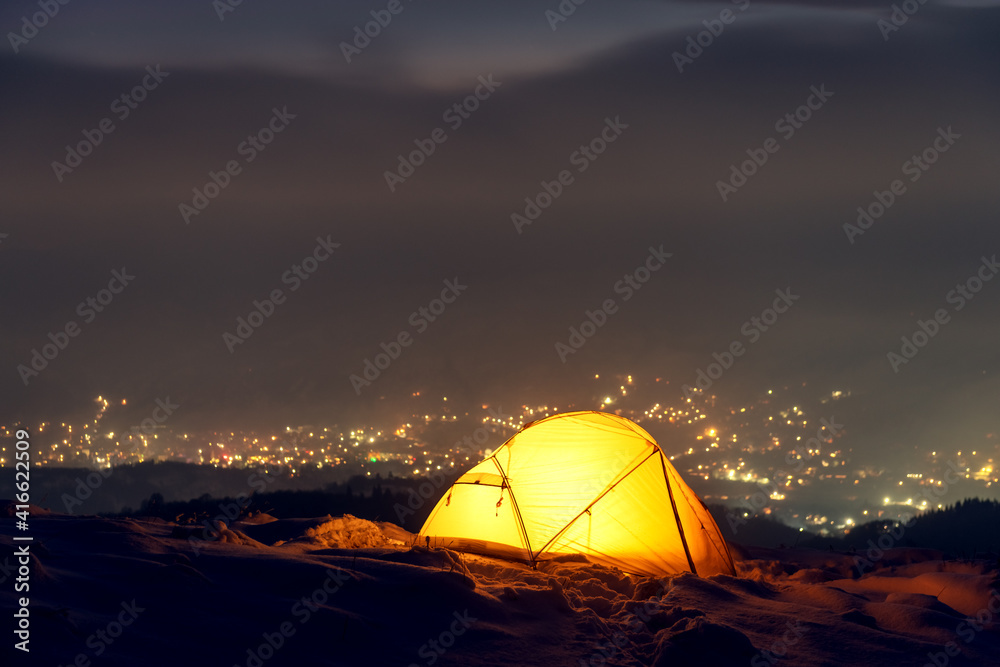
<point>344,591</point>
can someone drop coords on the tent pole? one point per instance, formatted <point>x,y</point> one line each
<point>677,518</point>
<point>517,513</point>
<point>611,485</point>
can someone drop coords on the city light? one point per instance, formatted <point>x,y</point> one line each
<point>750,444</point>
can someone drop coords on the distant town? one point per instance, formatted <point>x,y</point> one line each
<point>776,456</point>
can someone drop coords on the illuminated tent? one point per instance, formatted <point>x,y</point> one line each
<point>587,483</point>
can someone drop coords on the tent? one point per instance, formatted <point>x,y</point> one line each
<point>587,483</point>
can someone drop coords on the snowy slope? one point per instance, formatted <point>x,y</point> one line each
<point>343,591</point>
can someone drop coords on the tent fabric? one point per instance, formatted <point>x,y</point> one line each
<point>589,483</point>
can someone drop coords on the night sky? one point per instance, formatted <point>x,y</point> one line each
<point>673,127</point>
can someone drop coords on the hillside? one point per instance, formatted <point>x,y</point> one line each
<point>345,591</point>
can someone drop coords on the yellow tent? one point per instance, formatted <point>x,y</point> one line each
<point>588,483</point>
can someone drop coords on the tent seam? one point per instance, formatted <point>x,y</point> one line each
<point>677,518</point>
<point>594,502</point>
<point>517,512</point>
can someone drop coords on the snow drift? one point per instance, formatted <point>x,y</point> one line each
<point>343,591</point>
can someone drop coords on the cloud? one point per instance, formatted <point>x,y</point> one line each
<point>657,184</point>
<point>437,45</point>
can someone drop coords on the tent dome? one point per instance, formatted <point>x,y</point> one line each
<point>587,483</point>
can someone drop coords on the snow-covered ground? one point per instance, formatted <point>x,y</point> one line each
<point>343,591</point>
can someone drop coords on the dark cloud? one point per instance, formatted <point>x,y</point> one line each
<point>655,185</point>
